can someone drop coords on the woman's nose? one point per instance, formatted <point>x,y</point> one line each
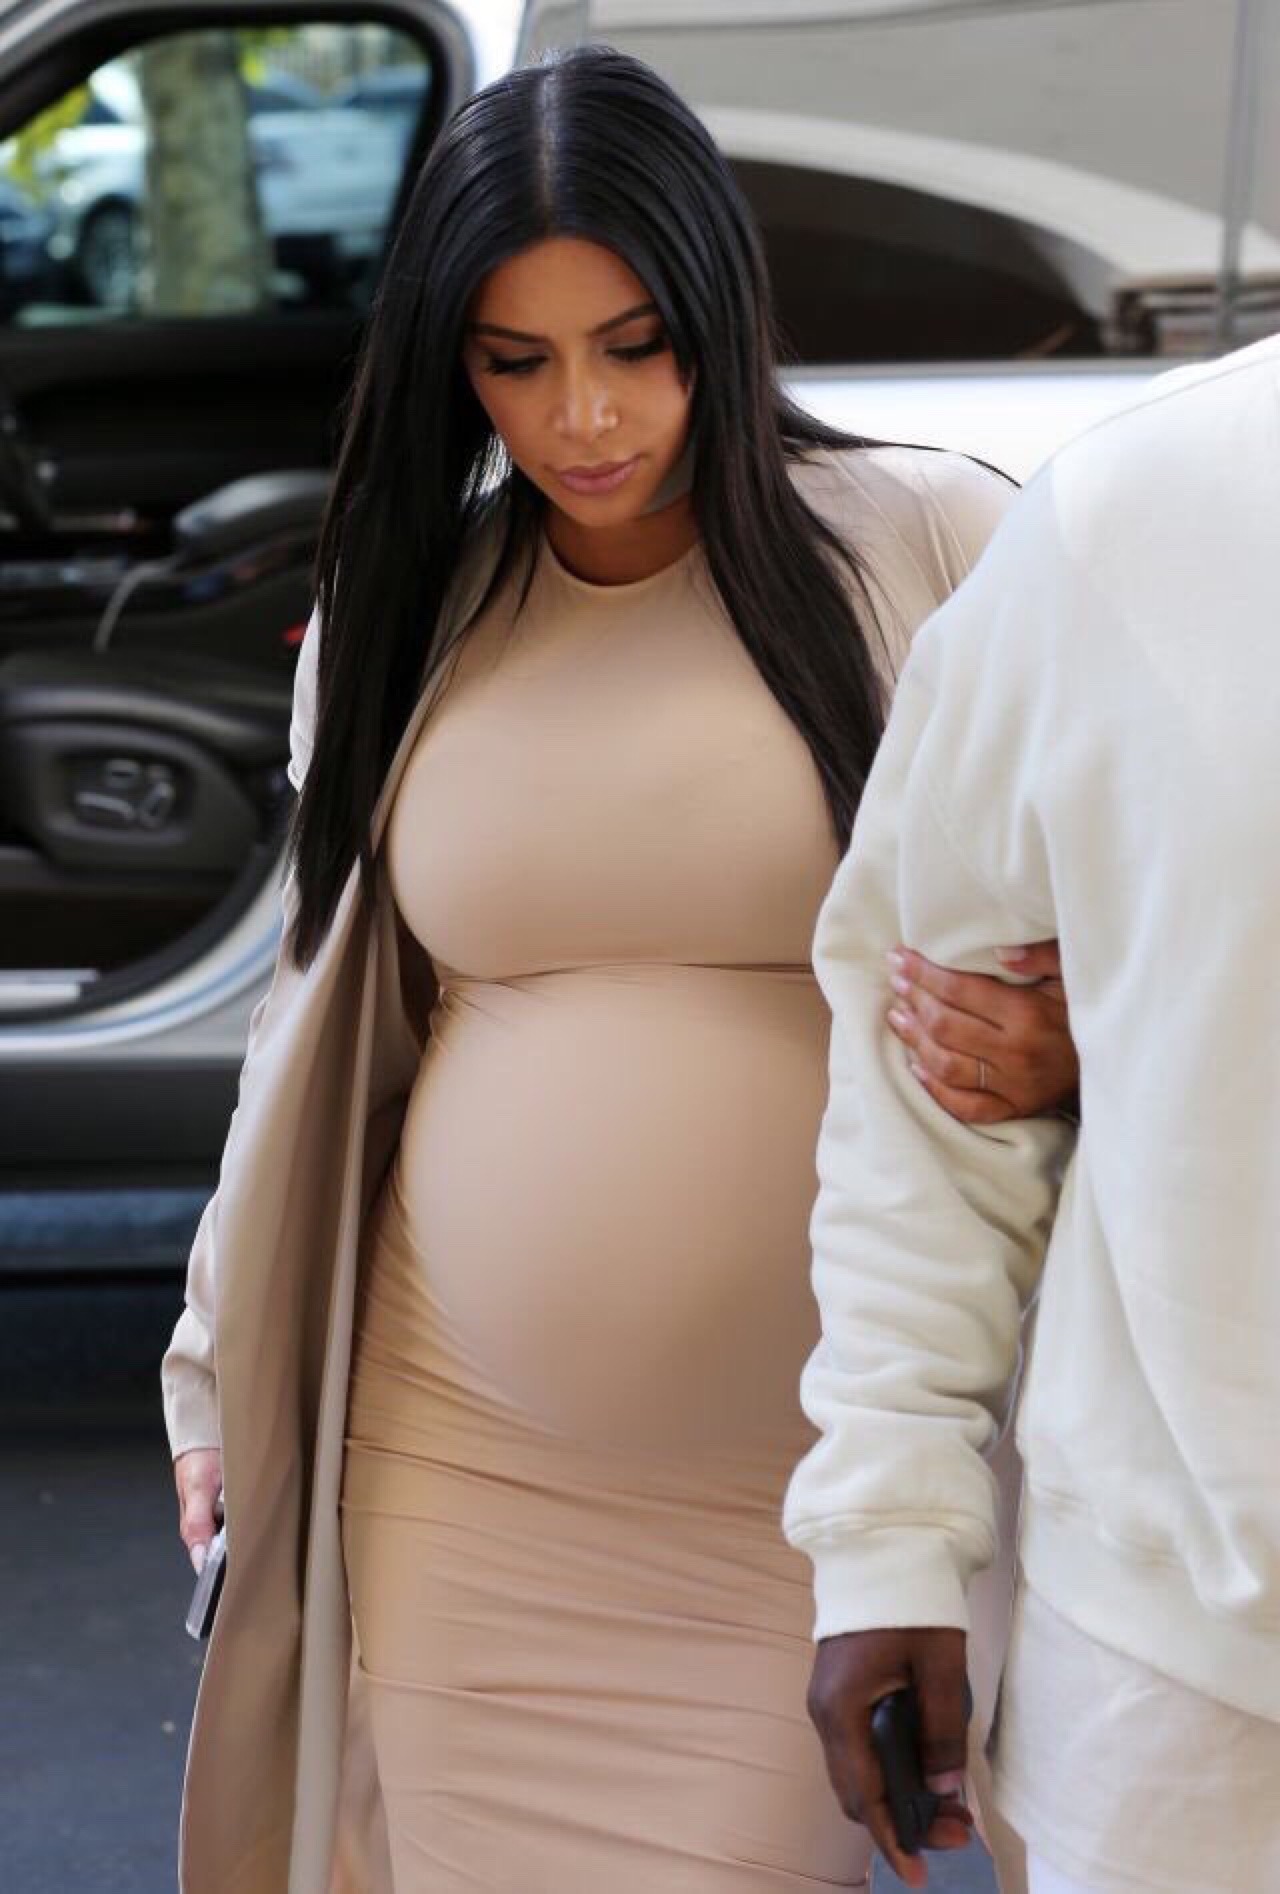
<point>585,409</point>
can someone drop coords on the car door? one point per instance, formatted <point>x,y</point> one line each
<point>182,291</point>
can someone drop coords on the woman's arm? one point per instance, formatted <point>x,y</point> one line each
<point>188,1372</point>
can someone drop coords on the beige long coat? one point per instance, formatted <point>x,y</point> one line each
<point>332,1055</point>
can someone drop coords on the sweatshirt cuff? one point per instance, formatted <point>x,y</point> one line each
<point>191,1415</point>
<point>904,1578</point>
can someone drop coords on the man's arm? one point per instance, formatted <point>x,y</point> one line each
<point>928,1233</point>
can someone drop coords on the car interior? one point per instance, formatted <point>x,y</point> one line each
<point>162,484</point>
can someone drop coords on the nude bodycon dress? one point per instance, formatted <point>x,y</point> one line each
<point>584,1289</point>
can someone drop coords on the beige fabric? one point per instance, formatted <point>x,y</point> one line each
<point>585,1305</point>
<point>331,1056</point>
<point>260,1359</point>
<point>1126,1781</point>
<point>573,1406</point>
<point>362,1853</point>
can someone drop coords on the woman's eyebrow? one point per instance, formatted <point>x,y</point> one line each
<point>601,328</point>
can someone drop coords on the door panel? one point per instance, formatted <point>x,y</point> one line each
<point>139,374</point>
<point>150,415</point>
<point>192,224</point>
<point>137,793</point>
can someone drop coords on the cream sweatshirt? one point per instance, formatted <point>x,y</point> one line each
<point>1085,743</point>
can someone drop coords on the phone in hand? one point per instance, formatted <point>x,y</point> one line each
<point>208,1590</point>
<point>895,1737</point>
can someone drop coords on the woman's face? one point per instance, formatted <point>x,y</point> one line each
<point>570,360</point>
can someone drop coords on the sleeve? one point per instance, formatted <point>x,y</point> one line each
<point>969,499</point>
<point>928,1234</point>
<point>188,1372</point>
<point>923,518</point>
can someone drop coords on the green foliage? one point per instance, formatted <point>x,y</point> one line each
<point>25,150</point>
<point>253,43</point>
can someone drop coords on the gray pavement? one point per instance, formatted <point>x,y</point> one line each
<point>97,1676</point>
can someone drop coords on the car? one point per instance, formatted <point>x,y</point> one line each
<point>162,476</point>
<point>323,174</point>
<point>25,232</point>
<point>395,94</point>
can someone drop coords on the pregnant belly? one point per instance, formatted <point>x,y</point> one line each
<point>608,1176</point>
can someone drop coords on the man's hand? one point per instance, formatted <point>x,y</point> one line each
<point>850,1675</point>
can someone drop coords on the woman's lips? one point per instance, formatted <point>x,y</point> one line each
<point>605,478</point>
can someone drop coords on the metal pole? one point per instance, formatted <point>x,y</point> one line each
<point>1244,112</point>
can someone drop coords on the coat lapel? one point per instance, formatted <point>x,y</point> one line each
<point>277,1212</point>
<point>317,1122</point>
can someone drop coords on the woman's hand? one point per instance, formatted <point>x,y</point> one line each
<point>198,1476</point>
<point>985,1050</point>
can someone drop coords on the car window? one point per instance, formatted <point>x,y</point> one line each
<point>1022,179</point>
<point>212,172</point>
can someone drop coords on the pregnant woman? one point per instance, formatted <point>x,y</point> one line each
<point>582,1302</point>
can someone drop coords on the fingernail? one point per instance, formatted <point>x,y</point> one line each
<point>897,1020</point>
<point>897,961</point>
<point>199,1553</point>
<point>1011,956</point>
<point>918,1070</point>
<point>900,985</point>
<point>947,1782</point>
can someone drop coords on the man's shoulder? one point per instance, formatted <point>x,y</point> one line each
<point>1226,378</point>
<point>1196,430</point>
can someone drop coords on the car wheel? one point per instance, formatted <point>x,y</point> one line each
<point>107,256</point>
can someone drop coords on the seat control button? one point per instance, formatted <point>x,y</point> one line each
<point>104,811</point>
<point>156,806</point>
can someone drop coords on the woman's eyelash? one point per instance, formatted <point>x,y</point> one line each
<point>637,351</point>
<point>512,364</point>
<point>525,364</point>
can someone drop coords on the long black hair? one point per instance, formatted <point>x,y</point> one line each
<point>591,144</point>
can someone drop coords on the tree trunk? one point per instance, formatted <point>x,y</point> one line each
<point>206,251</point>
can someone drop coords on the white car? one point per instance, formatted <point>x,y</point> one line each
<point>325,177</point>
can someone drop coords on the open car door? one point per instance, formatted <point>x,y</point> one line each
<point>192,224</point>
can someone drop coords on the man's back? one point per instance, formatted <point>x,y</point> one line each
<point>1158,797</point>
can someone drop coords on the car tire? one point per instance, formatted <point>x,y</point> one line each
<point>107,256</point>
